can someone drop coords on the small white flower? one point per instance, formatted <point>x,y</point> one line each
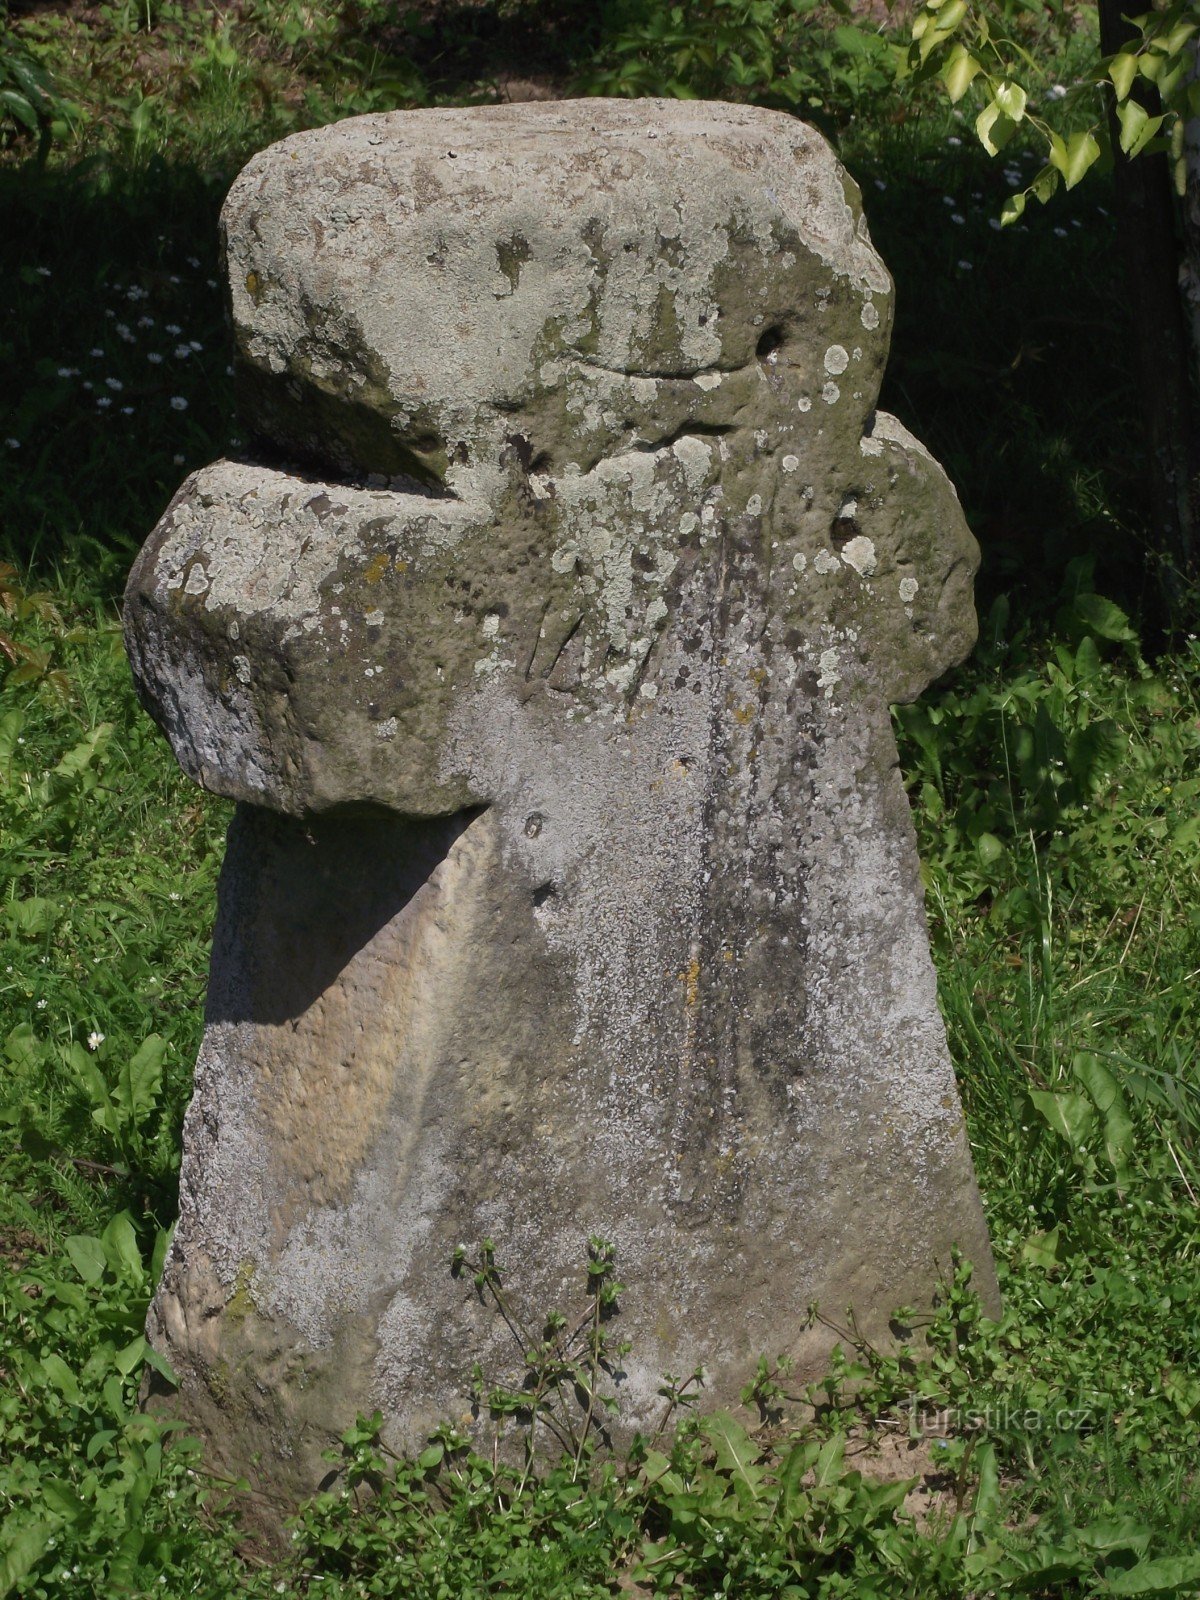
<point>194,261</point>
<point>96,353</point>
<point>966,266</point>
<point>957,216</point>
<point>42,272</point>
<point>178,460</point>
<point>954,139</point>
<point>41,1005</point>
<point>126,411</point>
<point>1056,92</point>
<point>174,279</point>
<point>88,386</point>
<point>182,352</point>
<point>114,384</point>
<point>880,185</point>
<point>1060,233</point>
<point>153,357</point>
<point>94,1040</point>
<point>68,372</point>
<point>194,344</point>
<point>13,444</point>
<point>103,402</point>
<point>173,328</point>
<point>172,896</point>
<point>145,322</point>
<point>994,222</point>
<point>178,403</point>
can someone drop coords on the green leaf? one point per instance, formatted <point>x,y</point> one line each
<point>735,1453</point>
<point>22,1047</point>
<point>80,757</point>
<point>1071,1116</point>
<point>1012,210</point>
<point>57,1373</point>
<point>1045,185</point>
<point>34,916</point>
<point>1011,99</point>
<point>1166,1575</point>
<point>131,1356</point>
<point>1137,127</point>
<point>1122,69</point>
<point>988,848</point>
<point>22,1546</point>
<point>1104,618</point>
<point>121,1248</point>
<point>959,70</point>
<point>987,1495</point>
<point>1106,1096</point>
<point>140,1080</point>
<point>828,1468</point>
<point>1041,1249</point>
<point>994,128</point>
<point>87,1256</point>
<point>1082,152</point>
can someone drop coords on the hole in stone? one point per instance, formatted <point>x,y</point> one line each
<point>544,892</point>
<point>845,524</point>
<point>770,343</point>
<point>533,824</point>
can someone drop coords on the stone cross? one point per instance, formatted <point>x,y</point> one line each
<point>545,639</point>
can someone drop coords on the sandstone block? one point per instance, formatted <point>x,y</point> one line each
<point>546,639</point>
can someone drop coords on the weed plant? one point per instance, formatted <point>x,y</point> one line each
<point>1054,782</point>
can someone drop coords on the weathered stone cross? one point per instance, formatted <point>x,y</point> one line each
<point>547,644</point>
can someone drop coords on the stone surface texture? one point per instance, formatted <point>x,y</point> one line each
<point>546,639</point>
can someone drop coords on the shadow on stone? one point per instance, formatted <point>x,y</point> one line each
<point>321,888</point>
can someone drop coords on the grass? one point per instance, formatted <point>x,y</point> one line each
<point>1055,788</point>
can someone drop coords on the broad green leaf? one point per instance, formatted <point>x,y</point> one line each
<point>1104,618</point>
<point>1106,1095</point>
<point>1166,1576</point>
<point>1082,152</point>
<point>987,1495</point>
<point>792,1473</point>
<point>958,72</point>
<point>988,848</point>
<point>87,1256</point>
<point>1045,185</point>
<point>1071,1116</point>
<point>1012,210</point>
<point>1087,658</point>
<point>1122,70</point>
<point>828,1467</point>
<point>57,1373</point>
<point>1011,99</point>
<point>735,1452</point>
<point>22,1046</point>
<point>11,724</point>
<point>1137,127</point>
<point>1041,1249</point>
<point>22,1545</point>
<point>34,916</point>
<point>994,128</point>
<point>121,1248</point>
<point>131,1356</point>
<point>140,1079</point>
<point>81,756</point>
